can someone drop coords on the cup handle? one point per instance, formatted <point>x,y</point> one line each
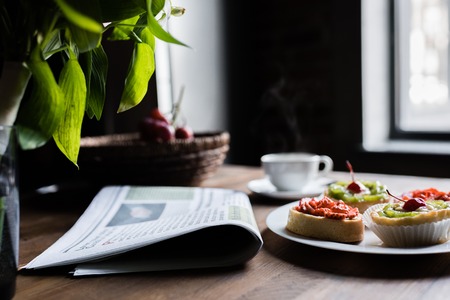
<point>327,165</point>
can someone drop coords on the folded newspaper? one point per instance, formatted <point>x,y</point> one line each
<point>143,228</point>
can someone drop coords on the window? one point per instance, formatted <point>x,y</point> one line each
<point>406,102</point>
<point>194,73</point>
<point>421,53</point>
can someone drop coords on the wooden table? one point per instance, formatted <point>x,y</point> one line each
<point>283,269</point>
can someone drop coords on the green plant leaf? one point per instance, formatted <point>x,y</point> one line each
<point>85,26</point>
<point>84,39</point>
<point>95,66</point>
<point>147,37</point>
<point>140,71</point>
<point>79,19</point>
<point>41,114</point>
<point>157,6</point>
<point>86,61</point>
<point>123,29</point>
<point>53,44</point>
<point>117,10</point>
<point>68,134</point>
<point>158,31</point>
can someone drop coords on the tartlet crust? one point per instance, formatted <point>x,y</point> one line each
<point>345,231</point>
<point>421,218</point>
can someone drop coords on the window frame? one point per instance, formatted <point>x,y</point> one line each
<point>381,134</point>
<point>395,132</point>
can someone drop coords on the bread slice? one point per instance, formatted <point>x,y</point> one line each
<point>344,231</point>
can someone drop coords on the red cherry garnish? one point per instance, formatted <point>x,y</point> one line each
<point>410,204</point>
<point>413,204</point>
<point>355,187</point>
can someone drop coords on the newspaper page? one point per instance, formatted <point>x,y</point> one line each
<point>184,221</point>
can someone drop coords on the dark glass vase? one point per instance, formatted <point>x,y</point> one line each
<point>9,213</point>
<point>8,267</point>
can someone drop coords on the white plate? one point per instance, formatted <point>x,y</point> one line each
<point>277,219</point>
<point>264,188</point>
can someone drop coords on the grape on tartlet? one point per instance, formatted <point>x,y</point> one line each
<point>412,222</point>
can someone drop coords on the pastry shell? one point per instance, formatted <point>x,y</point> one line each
<point>423,230</point>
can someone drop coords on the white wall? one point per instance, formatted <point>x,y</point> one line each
<point>198,69</point>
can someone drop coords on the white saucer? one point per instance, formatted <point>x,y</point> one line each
<point>264,188</point>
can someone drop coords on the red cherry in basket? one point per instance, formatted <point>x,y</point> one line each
<point>155,113</point>
<point>156,130</point>
<point>410,204</point>
<point>184,132</point>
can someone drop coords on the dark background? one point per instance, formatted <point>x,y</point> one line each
<point>293,84</point>
<point>293,70</point>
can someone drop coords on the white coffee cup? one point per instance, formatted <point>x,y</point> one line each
<point>294,171</point>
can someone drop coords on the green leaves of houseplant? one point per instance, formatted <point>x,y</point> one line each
<point>73,85</point>
<point>140,71</point>
<point>34,33</point>
<point>44,110</point>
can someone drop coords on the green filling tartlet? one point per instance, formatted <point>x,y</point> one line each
<point>375,192</point>
<point>394,210</point>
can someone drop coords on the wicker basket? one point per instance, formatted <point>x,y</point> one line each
<point>127,159</point>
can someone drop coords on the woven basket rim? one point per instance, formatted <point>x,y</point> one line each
<point>134,139</point>
<point>131,145</point>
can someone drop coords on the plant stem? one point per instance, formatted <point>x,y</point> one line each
<point>176,109</point>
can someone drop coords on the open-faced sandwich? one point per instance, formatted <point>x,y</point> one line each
<point>410,222</point>
<point>360,194</point>
<point>326,219</point>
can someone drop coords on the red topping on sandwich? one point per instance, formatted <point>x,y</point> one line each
<point>327,208</point>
